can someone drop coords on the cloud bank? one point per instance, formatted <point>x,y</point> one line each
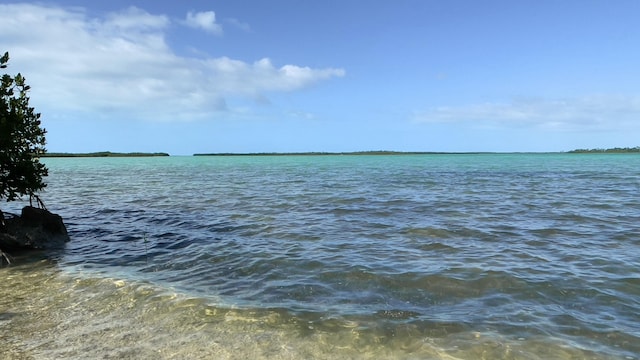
<point>121,64</point>
<point>588,113</point>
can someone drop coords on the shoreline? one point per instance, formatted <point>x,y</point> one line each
<point>635,150</point>
<point>373,153</point>
<point>162,323</point>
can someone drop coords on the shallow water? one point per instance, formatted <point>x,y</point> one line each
<point>496,256</point>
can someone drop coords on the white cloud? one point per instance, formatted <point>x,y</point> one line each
<point>250,79</point>
<point>239,24</point>
<point>135,19</point>
<point>205,20</point>
<point>121,66</point>
<point>589,113</point>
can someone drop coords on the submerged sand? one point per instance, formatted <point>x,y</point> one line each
<point>46,313</point>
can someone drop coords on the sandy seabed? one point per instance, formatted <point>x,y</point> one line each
<point>48,314</point>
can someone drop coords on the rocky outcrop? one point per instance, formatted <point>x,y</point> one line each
<point>34,229</point>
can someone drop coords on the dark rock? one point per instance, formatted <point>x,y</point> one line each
<point>50,223</point>
<point>33,229</point>
<point>3,227</point>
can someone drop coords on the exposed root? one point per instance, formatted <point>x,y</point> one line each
<point>4,257</point>
<point>39,201</point>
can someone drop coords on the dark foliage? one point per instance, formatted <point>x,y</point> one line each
<point>22,140</point>
<point>616,150</point>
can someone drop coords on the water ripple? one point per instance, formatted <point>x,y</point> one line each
<point>524,245</point>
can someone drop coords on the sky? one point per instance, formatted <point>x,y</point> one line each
<point>238,76</point>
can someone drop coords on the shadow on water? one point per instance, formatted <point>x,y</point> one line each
<point>30,256</point>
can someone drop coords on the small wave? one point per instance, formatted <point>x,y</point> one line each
<point>431,232</point>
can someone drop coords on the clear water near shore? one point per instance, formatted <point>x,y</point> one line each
<point>497,256</point>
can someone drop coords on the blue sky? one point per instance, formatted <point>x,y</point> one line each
<point>197,76</point>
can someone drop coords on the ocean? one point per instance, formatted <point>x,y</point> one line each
<point>444,256</point>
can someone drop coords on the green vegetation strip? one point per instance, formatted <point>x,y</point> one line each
<point>335,153</point>
<point>611,150</point>
<point>103,154</point>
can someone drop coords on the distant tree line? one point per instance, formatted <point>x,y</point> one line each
<point>104,154</point>
<point>610,150</point>
<point>312,153</point>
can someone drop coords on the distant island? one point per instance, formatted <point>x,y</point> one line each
<point>104,154</point>
<point>608,151</point>
<point>616,150</point>
<point>311,153</point>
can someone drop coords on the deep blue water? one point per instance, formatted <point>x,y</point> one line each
<point>531,248</point>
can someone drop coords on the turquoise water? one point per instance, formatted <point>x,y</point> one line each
<point>524,256</point>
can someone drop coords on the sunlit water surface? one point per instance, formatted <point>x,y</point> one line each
<point>494,256</point>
